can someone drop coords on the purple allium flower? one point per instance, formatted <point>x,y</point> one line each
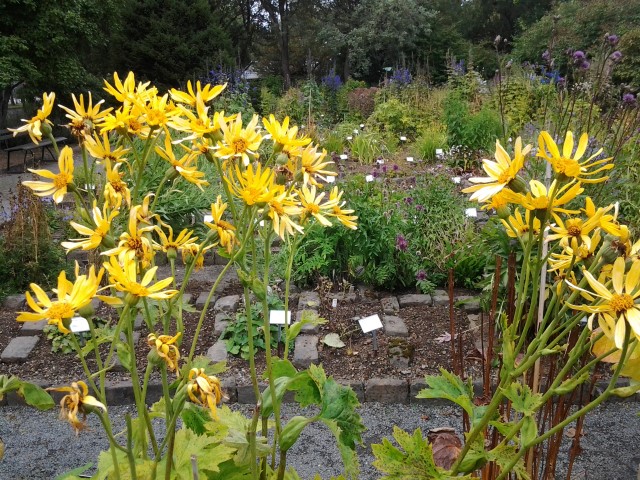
<point>585,65</point>
<point>384,169</point>
<point>612,39</point>
<point>408,200</point>
<point>375,174</point>
<point>401,243</point>
<point>419,207</point>
<point>578,56</point>
<point>396,168</point>
<point>616,56</point>
<point>546,56</point>
<point>421,275</point>
<point>629,100</point>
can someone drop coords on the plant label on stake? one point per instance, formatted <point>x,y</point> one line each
<point>79,325</point>
<point>409,159</point>
<point>371,324</point>
<point>279,318</point>
<point>471,212</point>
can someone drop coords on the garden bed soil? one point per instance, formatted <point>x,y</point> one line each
<point>357,361</point>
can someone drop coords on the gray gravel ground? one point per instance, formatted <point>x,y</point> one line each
<point>39,446</point>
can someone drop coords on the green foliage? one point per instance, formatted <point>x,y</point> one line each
<point>477,131</point>
<point>28,252</point>
<point>236,334</point>
<point>414,459</point>
<point>61,342</point>
<point>268,101</point>
<point>627,71</point>
<point>428,142</point>
<point>33,394</point>
<point>395,117</point>
<point>367,146</point>
<point>293,105</point>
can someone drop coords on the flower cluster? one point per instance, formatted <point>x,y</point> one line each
<point>591,253</point>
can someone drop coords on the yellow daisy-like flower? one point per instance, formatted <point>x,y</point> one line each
<point>239,143</point>
<point>198,124</point>
<point>127,92</point>
<point>562,261</point>
<point>501,172</point>
<point>253,187</point>
<point>190,254</point>
<point>282,208</point>
<point>115,189</point>
<point>311,165</point>
<point>313,207</point>
<point>60,181</point>
<point>518,227</point>
<point>101,149</point>
<point>133,244</point>
<point>125,279</point>
<point>282,135</point>
<point>84,119</point>
<point>226,231</point>
<point>182,166</point>
<point>102,221</point>
<point>71,298</point>
<point>343,216</point>
<point>34,125</point>
<point>537,199</point>
<point>164,346</point>
<point>190,97</point>
<point>204,390</point>
<point>172,246</point>
<point>77,401</point>
<point>159,111</point>
<point>127,120</point>
<point>575,231</point>
<point>567,164</point>
<point>616,308</point>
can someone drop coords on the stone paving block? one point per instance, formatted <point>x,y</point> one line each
<point>220,325</point>
<point>344,297</point>
<point>229,389</point>
<point>414,300</point>
<point>217,352</point>
<point>306,351</point>
<point>246,394</point>
<point>187,298</point>
<point>119,393</point>
<point>469,303</point>
<point>14,302</point>
<point>390,305</point>
<point>32,328</point>
<point>138,322</point>
<point>308,328</point>
<point>18,349</point>
<point>136,337</point>
<point>228,304</point>
<point>308,299</point>
<point>394,326</point>
<point>441,298</point>
<point>202,298</point>
<point>386,390</point>
<point>356,385</point>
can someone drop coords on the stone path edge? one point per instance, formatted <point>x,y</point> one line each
<point>387,390</point>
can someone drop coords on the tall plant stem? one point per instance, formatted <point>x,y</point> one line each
<point>135,380</point>
<point>254,382</point>
<point>147,419</point>
<point>287,288</point>
<point>151,140</point>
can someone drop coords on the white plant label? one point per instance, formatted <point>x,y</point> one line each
<point>455,179</point>
<point>344,157</point>
<point>371,323</point>
<point>334,303</point>
<point>403,139</point>
<point>471,212</point>
<point>410,159</point>
<point>369,178</point>
<point>277,317</point>
<point>79,324</point>
<point>349,138</point>
<point>330,179</point>
<point>439,152</point>
<point>208,218</point>
<point>362,125</point>
<point>380,161</point>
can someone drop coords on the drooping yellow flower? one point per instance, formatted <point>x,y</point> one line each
<point>61,181</point>
<point>226,231</point>
<point>77,401</point>
<point>537,199</point>
<point>197,124</point>
<point>102,225</point>
<point>133,244</point>
<point>101,149</point>
<point>183,165</point>
<point>125,279</point>
<point>567,164</point>
<point>343,216</point>
<point>204,390</point>
<point>631,367</point>
<point>190,97</point>
<point>115,189</point>
<point>575,231</point>
<point>192,253</point>
<point>282,135</point>
<point>83,120</point>
<point>501,172</point>
<point>518,227</point>
<point>313,207</point>
<point>239,143</point>
<point>252,187</point>
<point>72,296</point>
<point>172,246</point>
<point>164,346</point>
<point>586,250</point>
<point>311,165</point>
<point>282,208</point>
<point>34,125</point>
<point>127,92</point>
<point>616,308</point>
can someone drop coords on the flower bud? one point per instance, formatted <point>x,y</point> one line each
<point>87,311</point>
<point>154,358</point>
<point>608,251</point>
<point>131,300</point>
<point>518,185</point>
<point>45,128</point>
<point>503,212</point>
<point>172,254</point>
<point>282,159</point>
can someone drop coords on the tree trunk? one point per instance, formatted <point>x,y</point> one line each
<point>5,95</point>
<point>284,42</point>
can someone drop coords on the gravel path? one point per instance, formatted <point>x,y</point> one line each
<point>39,446</point>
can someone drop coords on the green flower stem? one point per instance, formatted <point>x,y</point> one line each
<point>135,380</point>
<point>254,381</point>
<point>579,413</point>
<point>179,321</point>
<point>225,186</point>
<point>287,278</point>
<point>147,418</point>
<point>147,314</point>
<point>99,364</point>
<point>113,444</point>
<point>171,433</point>
<point>151,140</point>
<point>85,367</point>
<point>116,336</point>
<point>132,461</point>
<point>156,195</point>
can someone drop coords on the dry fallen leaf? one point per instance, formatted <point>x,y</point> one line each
<point>446,446</point>
<point>571,432</point>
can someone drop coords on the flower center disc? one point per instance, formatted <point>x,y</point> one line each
<point>621,303</point>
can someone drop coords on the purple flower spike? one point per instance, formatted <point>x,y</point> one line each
<point>579,55</point>
<point>612,39</point>
<point>408,200</point>
<point>629,100</point>
<point>401,243</point>
<point>396,168</point>
<point>616,56</point>
<point>421,275</point>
